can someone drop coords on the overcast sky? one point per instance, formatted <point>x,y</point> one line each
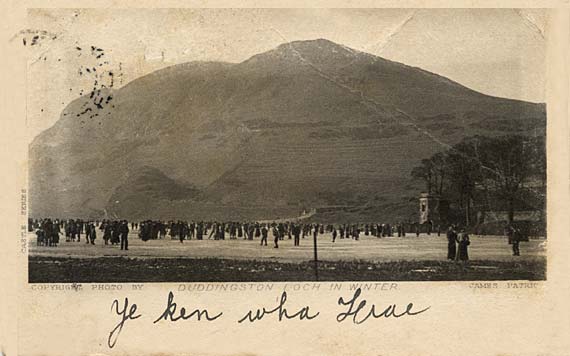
<point>497,52</point>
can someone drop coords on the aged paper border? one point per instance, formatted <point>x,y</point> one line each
<point>462,319</point>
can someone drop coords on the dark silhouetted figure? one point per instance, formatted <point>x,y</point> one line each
<point>514,236</point>
<point>463,254</point>
<point>276,237</point>
<point>451,243</point>
<point>124,235</point>
<point>264,233</point>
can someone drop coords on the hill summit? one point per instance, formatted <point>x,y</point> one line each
<point>306,125</point>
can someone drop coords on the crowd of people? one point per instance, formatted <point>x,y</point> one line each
<point>48,231</point>
<point>183,230</point>
<point>116,232</point>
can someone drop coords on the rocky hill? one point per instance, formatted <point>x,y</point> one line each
<point>308,124</point>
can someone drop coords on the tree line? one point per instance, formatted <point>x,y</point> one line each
<point>483,174</point>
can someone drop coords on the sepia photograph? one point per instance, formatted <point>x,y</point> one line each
<point>273,145</point>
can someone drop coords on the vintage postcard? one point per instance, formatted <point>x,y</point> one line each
<point>356,179</point>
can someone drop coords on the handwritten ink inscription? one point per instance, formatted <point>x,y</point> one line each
<point>356,311</point>
<point>281,311</point>
<point>169,313</point>
<point>356,308</point>
<point>125,316</point>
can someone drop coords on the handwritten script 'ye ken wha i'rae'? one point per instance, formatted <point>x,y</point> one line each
<point>356,309</point>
